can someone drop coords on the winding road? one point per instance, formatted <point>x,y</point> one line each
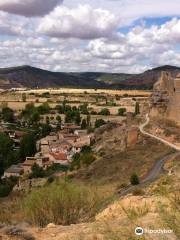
<point>141,128</point>
<point>158,166</point>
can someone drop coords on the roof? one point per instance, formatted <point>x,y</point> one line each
<point>59,156</point>
<point>14,169</point>
<point>29,162</point>
<point>71,126</point>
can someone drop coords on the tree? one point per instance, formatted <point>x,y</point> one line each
<point>75,164</point>
<point>99,123</point>
<point>47,120</point>
<point>6,152</point>
<point>134,179</point>
<point>8,114</point>
<point>44,108</point>
<point>121,111</point>
<point>24,97</point>
<point>84,124</point>
<point>84,108</point>
<point>137,108</point>
<point>58,118</point>
<point>35,118</point>
<point>77,117</point>
<point>88,120</point>
<point>27,146</point>
<point>104,111</point>
<point>37,171</point>
<point>68,117</point>
<point>60,109</point>
<point>45,129</point>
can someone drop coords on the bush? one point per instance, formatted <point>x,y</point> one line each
<point>105,111</point>
<point>134,179</point>
<point>138,192</point>
<point>62,203</point>
<point>99,123</point>
<point>121,111</point>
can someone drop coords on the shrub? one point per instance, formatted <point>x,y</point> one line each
<point>99,123</point>
<point>121,111</point>
<point>61,203</point>
<point>138,192</point>
<point>134,179</point>
<point>104,111</point>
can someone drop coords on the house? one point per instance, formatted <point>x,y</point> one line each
<point>43,144</point>
<point>71,127</point>
<point>39,159</point>
<point>27,165</point>
<point>70,137</point>
<point>13,171</point>
<point>60,158</point>
<point>80,132</point>
<point>42,161</point>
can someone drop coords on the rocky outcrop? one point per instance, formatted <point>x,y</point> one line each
<point>165,100</point>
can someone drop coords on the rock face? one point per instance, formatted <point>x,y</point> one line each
<point>165,99</point>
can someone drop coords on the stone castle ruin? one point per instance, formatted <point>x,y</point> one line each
<point>165,99</point>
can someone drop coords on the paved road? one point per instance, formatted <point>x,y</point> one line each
<point>153,175</point>
<point>158,166</point>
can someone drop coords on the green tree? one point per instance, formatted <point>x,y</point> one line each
<point>24,97</point>
<point>44,108</point>
<point>68,117</point>
<point>84,124</point>
<point>75,164</point>
<point>8,114</point>
<point>37,172</point>
<point>6,152</point>
<point>99,123</point>
<point>35,118</point>
<point>60,109</point>
<point>88,120</point>
<point>27,146</point>
<point>134,179</point>
<point>77,117</point>
<point>45,129</point>
<point>121,111</point>
<point>84,108</point>
<point>137,108</point>
<point>104,111</point>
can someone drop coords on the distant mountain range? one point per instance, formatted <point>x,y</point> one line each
<point>31,77</point>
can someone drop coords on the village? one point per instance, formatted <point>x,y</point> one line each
<point>56,148</point>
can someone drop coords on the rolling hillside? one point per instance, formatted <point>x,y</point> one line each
<point>31,77</point>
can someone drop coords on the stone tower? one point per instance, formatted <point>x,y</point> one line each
<point>165,99</point>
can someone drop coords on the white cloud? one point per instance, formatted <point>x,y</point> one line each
<point>11,26</point>
<point>83,22</point>
<point>131,10</point>
<point>28,8</point>
<point>85,37</point>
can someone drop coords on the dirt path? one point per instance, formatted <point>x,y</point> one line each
<point>141,128</point>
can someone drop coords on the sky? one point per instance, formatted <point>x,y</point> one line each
<point>90,35</point>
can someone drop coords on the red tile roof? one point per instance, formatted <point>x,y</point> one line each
<point>59,156</point>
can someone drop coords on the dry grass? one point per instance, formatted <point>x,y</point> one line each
<point>115,167</point>
<point>90,91</point>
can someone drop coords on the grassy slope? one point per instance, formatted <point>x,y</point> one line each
<point>116,167</point>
